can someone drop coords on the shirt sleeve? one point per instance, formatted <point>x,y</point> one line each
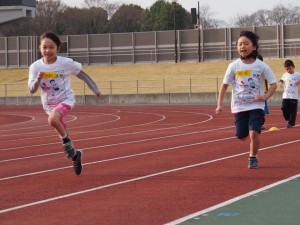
<point>74,67</point>
<point>269,75</point>
<point>229,74</point>
<point>88,80</point>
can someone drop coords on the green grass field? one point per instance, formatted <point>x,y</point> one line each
<point>151,78</point>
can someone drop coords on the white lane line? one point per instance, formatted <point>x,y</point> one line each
<point>112,184</point>
<point>50,131</point>
<point>183,219</point>
<point>162,117</point>
<point>85,132</point>
<point>73,118</point>
<point>26,127</point>
<point>140,154</point>
<point>31,118</point>
<point>118,158</point>
<point>118,128</point>
<point>117,144</point>
<point>131,180</point>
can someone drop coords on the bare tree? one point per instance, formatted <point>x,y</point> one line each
<point>216,23</point>
<point>47,14</point>
<point>206,19</point>
<point>282,15</point>
<point>262,17</point>
<point>246,21</point>
<point>109,6</point>
<point>278,15</point>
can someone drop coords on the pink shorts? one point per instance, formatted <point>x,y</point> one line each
<point>64,110</point>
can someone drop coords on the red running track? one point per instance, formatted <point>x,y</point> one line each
<point>144,165</point>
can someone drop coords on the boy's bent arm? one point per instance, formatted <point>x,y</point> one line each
<point>88,80</point>
<point>271,91</point>
<point>267,95</point>
<point>221,96</point>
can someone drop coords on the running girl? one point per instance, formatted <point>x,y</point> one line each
<point>52,74</point>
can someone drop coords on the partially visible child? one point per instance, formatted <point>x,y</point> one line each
<point>52,74</point>
<point>247,75</point>
<point>289,81</point>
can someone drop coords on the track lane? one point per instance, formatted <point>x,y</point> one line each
<point>158,198</point>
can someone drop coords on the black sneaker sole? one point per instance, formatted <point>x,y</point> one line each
<point>77,163</point>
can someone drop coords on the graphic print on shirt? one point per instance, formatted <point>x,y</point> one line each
<point>55,88</point>
<point>290,87</point>
<point>53,84</point>
<point>249,85</point>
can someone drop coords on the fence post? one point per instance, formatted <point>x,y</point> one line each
<point>164,86</point>
<point>5,90</point>
<point>137,87</point>
<point>84,94</point>
<point>110,87</point>
<point>217,91</point>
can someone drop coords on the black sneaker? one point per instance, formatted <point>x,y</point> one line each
<point>253,163</point>
<point>77,164</point>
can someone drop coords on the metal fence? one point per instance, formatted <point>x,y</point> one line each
<point>278,41</point>
<point>119,87</point>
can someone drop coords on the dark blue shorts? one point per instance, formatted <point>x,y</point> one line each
<point>248,120</point>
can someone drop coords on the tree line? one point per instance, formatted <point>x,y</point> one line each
<point>104,16</point>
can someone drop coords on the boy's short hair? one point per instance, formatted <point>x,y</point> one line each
<point>289,63</point>
<point>250,35</point>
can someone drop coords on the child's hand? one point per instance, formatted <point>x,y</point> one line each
<point>40,76</point>
<point>297,82</point>
<point>98,95</point>
<point>281,83</point>
<point>260,98</point>
<point>219,110</point>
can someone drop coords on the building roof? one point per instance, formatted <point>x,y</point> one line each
<point>30,3</point>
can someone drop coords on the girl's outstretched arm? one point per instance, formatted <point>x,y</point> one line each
<point>88,80</point>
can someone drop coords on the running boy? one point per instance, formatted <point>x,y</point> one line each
<point>246,75</point>
<point>52,74</point>
<point>289,81</point>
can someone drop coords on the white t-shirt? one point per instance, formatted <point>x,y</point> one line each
<point>290,88</point>
<point>55,85</point>
<point>247,81</point>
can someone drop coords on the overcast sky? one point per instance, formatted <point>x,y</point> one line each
<point>227,10</point>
